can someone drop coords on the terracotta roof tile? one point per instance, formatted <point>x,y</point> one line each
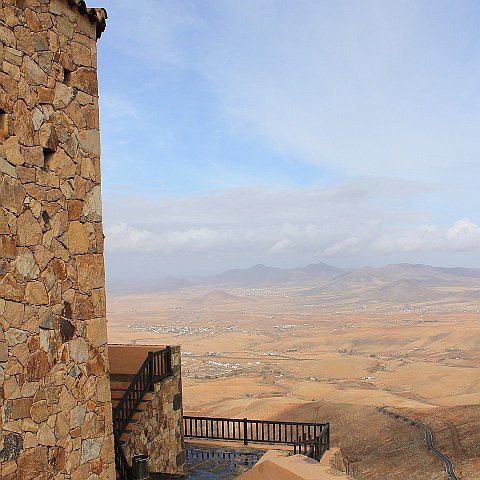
<point>97,15</point>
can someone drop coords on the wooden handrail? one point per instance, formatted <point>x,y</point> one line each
<point>157,365</point>
<point>302,435</point>
<point>314,447</point>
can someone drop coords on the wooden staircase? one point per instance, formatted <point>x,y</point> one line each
<point>134,369</point>
<point>118,387</point>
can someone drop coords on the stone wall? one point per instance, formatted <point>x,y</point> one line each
<point>55,415</point>
<point>159,432</point>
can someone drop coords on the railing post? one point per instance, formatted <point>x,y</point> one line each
<point>169,359</point>
<point>328,435</point>
<point>245,439</point>
<point>150,372</point>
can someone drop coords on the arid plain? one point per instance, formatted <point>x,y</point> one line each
<point>329,345</point>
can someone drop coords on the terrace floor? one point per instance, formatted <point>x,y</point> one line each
<point>206,462</point>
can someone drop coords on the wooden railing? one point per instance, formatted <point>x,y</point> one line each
<point>298,434</point>
<point>121,462</point>
<point>314,447</point>
<point>157,365</point>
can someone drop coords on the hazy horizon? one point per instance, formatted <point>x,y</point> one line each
<point>119,281</point>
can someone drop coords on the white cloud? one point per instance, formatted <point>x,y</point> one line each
<point>464,235</point>
<point>342,221</point>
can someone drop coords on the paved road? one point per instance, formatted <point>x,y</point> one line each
<point>428,440</point>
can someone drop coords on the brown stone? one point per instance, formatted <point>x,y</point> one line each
<point>3,352</point>
<point>103,389</point>
<point>81,473</point>
<point>89,141</point>
<point>63,95</point>
<point>7,37</point>
<point>38,365</point>
<point>26,174</point>
<point>35,293</point>
<point>77,238</point>
<point>45,435</point>
<point>26,265</point>
<point>48,137</point>
<point>83,307</point>
<point>97,466</point>
<point>24,39</point>
<point>8,470</point>
<point>74,209</point>
<point>34,156</point>
<point>77,416</point>
<point>97,332</point>
<point>62,164</point>
<point>62,426</point>
<point>45,95</point>
<point>47,179</point>
<point>33,464</point>
<point>21,408</point>
<point>78,350</point>
<point>42,256</point>
<point>96,366</point>
<point>74,111</point>
<point>35,75</point>
<point>58,459</point>
<point>90,272</point>
<point>14,336</point>
<point>8,246</point>
<point>12,151</point>
<point>40,41</point>
<point>60,251</point>
<point>7,168</point>
<point>21,352</point>
<point>85,79</point>
<point>58,267</point>
<point>29,230</point>
<point>23,124</point>
<point>53,395</point>
<point>12,194</point>
<point>81,54</point>
<point>4,228</point>
<point>11,388</point>
<point>66,400</point>
<point>11,289</point>
<point>15,312</point>
<point>33,343</point>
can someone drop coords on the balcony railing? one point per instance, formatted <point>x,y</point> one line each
<point>311,438</point>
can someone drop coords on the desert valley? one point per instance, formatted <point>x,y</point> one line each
<point>327,344</point>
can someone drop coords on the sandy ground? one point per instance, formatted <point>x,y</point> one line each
<point>272,353</point>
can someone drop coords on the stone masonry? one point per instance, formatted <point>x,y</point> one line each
<point>159,432</point>
<point>55,406</point>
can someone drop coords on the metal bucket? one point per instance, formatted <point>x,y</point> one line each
<point>140,467</point>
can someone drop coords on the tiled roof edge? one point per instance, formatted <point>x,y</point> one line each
<point>97,15</point>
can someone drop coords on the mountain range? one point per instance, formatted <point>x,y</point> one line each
<point>399,284</point>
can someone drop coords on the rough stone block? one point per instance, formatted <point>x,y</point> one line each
<point>21,408</point>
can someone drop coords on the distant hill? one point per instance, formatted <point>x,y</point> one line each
<point>396,284</point>
<point>261,275</point>
<point>217,297</point>
<point>250,276</point>
<point>399,284</point>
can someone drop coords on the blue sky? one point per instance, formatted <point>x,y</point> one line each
<point>289,132</point>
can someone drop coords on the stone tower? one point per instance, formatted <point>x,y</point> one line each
<point>55,406</point>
